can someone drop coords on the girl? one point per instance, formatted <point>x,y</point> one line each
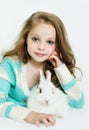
<point>42,44</point>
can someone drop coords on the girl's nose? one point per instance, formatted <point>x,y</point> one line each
<point>41,46</point>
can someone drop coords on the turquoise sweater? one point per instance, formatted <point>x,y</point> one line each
<point>14,90</point>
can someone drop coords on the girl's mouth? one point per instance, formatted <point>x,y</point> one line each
<point>40,54</point>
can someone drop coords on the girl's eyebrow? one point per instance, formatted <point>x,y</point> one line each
<point>39,36</point>
<point>34,34</point>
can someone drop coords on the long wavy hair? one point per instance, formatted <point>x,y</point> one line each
<point>62,43</point>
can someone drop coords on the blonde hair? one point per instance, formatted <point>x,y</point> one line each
<point>62,43</point>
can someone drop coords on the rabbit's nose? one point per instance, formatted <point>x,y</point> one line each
<point>46,101</point>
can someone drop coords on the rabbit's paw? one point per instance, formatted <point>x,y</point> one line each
<point>59,114</point>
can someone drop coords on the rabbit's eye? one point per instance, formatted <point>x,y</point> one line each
<point>40,90</point>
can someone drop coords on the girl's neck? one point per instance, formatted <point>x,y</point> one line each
<point>38,65</point>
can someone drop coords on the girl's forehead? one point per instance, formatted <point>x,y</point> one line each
<point>43,28</point>
<point>41,24</point>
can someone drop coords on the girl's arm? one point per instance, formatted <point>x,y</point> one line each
<point>9,108</point>
<point>12,96</point>
<point>69,84</point>
<point>12,110</point>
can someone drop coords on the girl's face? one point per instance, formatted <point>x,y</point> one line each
<point>41,42</point>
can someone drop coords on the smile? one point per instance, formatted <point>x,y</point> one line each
<point>40,54</point>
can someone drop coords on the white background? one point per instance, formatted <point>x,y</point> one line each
<point>74,14</point>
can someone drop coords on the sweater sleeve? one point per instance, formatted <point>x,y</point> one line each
<point>71,86</point>
<point>8,108</point>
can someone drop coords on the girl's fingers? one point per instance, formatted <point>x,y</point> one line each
<point>38,123</point>
<point>46,122</point>
<point>53,57</point>
<point>52,120</point>
<point>55,60</point>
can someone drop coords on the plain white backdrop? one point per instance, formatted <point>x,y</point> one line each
<point>74,14</point>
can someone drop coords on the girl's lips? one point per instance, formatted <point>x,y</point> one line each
<point>40,54</point>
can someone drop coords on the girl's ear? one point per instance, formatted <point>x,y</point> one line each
<point>48,75</point>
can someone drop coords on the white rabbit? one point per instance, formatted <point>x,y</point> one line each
<point>46,98</point>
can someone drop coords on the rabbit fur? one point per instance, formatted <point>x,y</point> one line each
<point>46,98</point>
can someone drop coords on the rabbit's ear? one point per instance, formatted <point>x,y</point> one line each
<point>48,75</point>
<point>42,77</point>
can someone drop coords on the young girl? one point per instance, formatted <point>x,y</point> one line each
<point>42,44</point>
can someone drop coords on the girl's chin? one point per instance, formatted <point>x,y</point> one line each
<point>40,59</point>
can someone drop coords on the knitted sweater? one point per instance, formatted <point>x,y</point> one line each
<point>14,90</point>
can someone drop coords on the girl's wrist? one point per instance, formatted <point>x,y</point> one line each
<point>63,74</point>
<point>59,64</point>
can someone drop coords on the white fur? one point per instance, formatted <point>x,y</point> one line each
<point>46,98</point>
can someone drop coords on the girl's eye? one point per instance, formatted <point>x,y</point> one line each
<point>50,42</point>
<point>40,90</point>
<point>34,39</point>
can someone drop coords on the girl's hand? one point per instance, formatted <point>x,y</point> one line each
<point>55,60</point>
<point>38,118</point>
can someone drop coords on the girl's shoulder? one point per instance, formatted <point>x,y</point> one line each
<point>10,59</point>
<point>13,62</point>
